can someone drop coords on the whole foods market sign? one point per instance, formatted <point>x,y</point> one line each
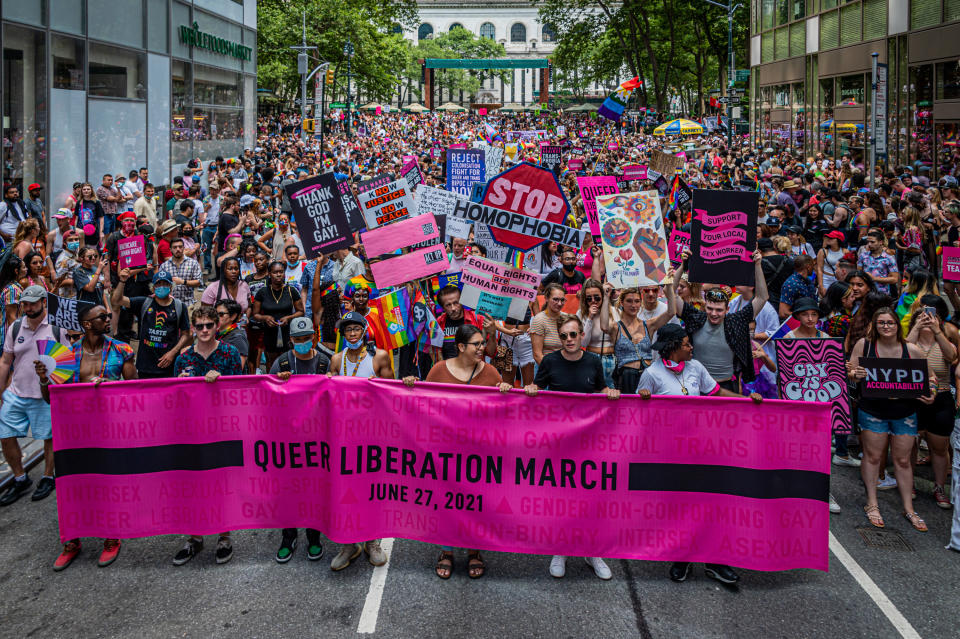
<point>194,37</point>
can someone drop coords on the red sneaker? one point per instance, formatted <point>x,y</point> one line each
<point>111,548</point>
<point>941,498</point>
<point>70,551</point>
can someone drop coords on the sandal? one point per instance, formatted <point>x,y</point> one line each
<point>915,521</point>
<point>444,565</point>
<point>873,514</point>
<point>476,567</point>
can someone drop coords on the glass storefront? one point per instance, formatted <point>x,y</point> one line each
<point>921,126</point>
<point>826,130</point>
<point>24,105</point>
<point>799,122</point>
<point>948,153</point>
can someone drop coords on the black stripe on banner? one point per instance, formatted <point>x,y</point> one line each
<point>730,480</point>
<point>149,459</point>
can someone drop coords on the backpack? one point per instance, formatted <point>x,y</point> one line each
<point>15,330</point>
<point>177,307</point>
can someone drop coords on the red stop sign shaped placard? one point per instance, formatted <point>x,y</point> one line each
<point>528,190</point>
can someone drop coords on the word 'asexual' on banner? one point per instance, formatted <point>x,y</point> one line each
<point>667,479</point>
<point>723,237</point>
<point>634,243</point>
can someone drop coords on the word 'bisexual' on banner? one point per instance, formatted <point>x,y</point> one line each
<point>387,203</point>
<point>702,479</point>
<point>723,237</point>
<point>894,377</point>
<point>633,237</point>
<point>813,370</point>
<point>590,187</point>
<point>317,206</point>
<point>464,167</point>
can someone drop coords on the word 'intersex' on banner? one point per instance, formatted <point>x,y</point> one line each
<point>667,479</point>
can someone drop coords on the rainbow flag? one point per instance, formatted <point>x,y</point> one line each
<point>613,107</point>
<point>516,258</point>
<point>390,319</point>
<point>490,134</point>
<point>360,282</point>
<point>672,197</point>
<point>329,289</point>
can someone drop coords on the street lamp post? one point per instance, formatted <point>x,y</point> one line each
<point>348,52</point>
<point>730,9</point>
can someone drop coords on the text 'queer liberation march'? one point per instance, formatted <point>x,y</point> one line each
<point>670,478</point>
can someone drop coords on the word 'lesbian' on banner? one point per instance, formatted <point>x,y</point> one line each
<point>321,219</point>
<point>703,479</point>
<point>723,237</point>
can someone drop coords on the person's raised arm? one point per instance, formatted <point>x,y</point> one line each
<point>760,292</point>
<point>606,316</point>
<point>658,322</point>
<point>117,298</point>
<point>678,275</point>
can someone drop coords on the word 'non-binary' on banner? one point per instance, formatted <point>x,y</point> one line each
<point>667,479</point>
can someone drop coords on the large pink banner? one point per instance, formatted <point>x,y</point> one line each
<point>671,478</point>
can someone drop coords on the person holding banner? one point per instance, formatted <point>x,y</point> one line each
<point>467,368</point>
<point>571,370</point>
<point>361,358</point>
<point>208,358</point>
<point>886,422</point>
<point>722,338</point>
<point>677,373</point>
<point>98,358</point>
<point>935,421</point>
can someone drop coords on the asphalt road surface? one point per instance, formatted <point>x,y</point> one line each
<point>876,592</point>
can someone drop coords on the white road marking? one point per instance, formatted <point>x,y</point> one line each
<point>870,587</point>
<point>378,580</point>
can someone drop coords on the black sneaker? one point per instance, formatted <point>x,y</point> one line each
<point>314,547</point>
<point>723,574</point>
<point>188,552</point>
<point>45,486</point>
<point>288,544</point>
<point>15,491</point>
<point>224,550</point>
<point>680,570</point>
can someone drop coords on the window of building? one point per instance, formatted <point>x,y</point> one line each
<point>66,15</point>
<point>948,160</point>
<point>798,39</point>
<point>396,29</point>
<point>924,13</point>
<point>518,32</point>
<point>766,47</point>
<point>217,86</point>
<point>828,4</point>
<point>826,117</point>
<point>68,67</point>
<point>181,111</point>
<point>782,43</point>
<point>850,90</point>
<point>767,9</point>
<point>549,33</point>
<point>799,9</point>
<point>874,19</point>
<point>781,96</point>
<point>850,24</point>
<point>117,21</point>
<point>24,105</point>
<point>829,30</point>
<point>456,25</point>
<point>948,80</point>
<point>116,73</point>
<point>951,10</point>
<point>783,11</point>
<point>425,31</point>
<point>487,30</point>
<point>921,109</point>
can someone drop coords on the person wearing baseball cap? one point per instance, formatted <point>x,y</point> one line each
<point>798,243</point>
<point>34,205</point>
<point>827,259</point>
<point>303,359</point>
<point>359,359</point>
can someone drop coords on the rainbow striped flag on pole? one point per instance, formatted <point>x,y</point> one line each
<point>612,108</point>
<point>390,319</point>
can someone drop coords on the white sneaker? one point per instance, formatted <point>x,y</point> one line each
<point>558,566</point>
<point>846,461</point>
<point>887,483</point>
<point>834,506</point>
<point>599,567</point>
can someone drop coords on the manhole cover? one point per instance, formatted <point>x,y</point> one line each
<point>883,539</point>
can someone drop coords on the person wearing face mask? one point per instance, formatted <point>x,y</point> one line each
<point>97,358</point>
<point>164,326</point>
<point>567,275</point>
<point>293,274</point>
<point>276,239</point>
<point>67,261</point>
<point>63,219</point>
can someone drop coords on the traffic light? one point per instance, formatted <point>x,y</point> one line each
<point>330,75</point>
<point>308,126</point>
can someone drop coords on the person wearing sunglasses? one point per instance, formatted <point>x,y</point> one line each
<point>98,358</point>
<point>208,358</point>
<point>572,370</point>
<point>675,372</point>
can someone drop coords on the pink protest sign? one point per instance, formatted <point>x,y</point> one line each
<point>387,239</point>
<point>677,241</point>
<point>590,187</point>
<point>411,266</point>
<point>481,111</point>
<point>132,252</point>
<point>951,263</point>
<point>575,164</point>
<point>668,479</point>
<point>635,172</point>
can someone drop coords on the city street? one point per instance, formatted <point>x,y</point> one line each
<point>869,592</point>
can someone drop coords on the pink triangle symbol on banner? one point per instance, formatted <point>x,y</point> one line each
<point>348,497</point>
<point>504,507</point>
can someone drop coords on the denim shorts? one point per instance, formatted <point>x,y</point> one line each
<point>19,414</point>
<point>903,426</point>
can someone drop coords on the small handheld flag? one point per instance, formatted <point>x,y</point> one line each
<point>613,107</point>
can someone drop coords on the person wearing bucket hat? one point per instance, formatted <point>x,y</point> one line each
<point>359,359</point>
<point>806,310</point>
<point>676,372</point>
<point>303,359</point>
<point>167,231</point>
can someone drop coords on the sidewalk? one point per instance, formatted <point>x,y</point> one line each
<point>29,446</point>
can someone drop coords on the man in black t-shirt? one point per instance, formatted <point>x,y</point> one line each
<point>572,370</point>
<point>567,275</point>
<point>163,324</point>
<point>776,269</point>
